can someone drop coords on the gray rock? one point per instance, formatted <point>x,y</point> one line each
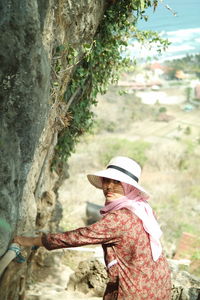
<point>185,285</point>
<point>29,33</point>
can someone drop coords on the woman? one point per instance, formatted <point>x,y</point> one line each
<point>128,232</point>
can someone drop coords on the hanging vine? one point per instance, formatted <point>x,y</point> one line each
<point>100,65</point>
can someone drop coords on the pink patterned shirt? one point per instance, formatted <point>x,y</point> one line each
<point>135,276</point>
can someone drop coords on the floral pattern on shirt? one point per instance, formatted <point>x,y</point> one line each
<point>135,276</point>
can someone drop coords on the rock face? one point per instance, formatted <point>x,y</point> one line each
<point>25,82</point>
<point>184,285</point>
<point>90,277</point>
<point>30,110</point>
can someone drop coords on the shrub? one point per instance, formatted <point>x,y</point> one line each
<point>195,191</point>
<point>123,147</point>
<point>103,125</point>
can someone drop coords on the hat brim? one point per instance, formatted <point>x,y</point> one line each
<point>96,179</point>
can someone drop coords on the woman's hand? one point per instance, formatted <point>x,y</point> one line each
<point>28,241</point>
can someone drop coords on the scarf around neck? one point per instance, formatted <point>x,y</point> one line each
<point>135,201</point>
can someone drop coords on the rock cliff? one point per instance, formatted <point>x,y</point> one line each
<point>32,113</point>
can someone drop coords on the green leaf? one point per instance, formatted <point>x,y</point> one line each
<point>142,5</point>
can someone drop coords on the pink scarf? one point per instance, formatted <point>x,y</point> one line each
<point>137,203</point>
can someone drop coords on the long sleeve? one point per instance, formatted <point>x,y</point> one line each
<point>106,230</point>
<point>135,274</point>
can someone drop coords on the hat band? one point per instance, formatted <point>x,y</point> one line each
<point>124,171</point>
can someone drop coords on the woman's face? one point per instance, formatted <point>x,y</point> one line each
<point>112,189</point>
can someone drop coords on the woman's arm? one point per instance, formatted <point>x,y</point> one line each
<point>28,241</point>
<point>107,230</point>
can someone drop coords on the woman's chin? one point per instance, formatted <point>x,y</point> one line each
<point>110,199</point>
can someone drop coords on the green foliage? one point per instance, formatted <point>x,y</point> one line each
<point>190,228</point>
<point>196,255</point>
<point>188,93</point>
<point>152,38</point>
<point>195,191</point>
<point>189,64</point>
<point>98,64</point>
<point>133,149</point>
<point>102,125</point>
<point>190,147</point>
<point>187,130</point>
<point>162,109</point>
<point>174,200</point>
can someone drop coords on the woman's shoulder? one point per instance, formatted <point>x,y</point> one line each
<point>122,217</point>
<point>123,213</point>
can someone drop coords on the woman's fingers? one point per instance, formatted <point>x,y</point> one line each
<point>15,240</point>
<point>25,241</point>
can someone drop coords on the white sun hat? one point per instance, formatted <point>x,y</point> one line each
<point>121,168</point>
